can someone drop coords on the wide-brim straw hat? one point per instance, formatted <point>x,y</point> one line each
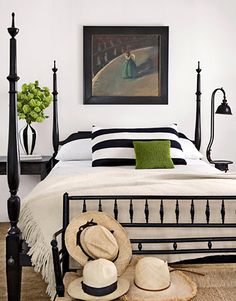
<point>101,218</point>
<point>99,282</point>
<point>182,288</point>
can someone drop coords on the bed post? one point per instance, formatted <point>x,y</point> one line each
<point>197,139</point>
<point>55,130</point>
<point>13,238</point>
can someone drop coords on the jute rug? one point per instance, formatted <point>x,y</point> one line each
<point>33,287</point>
<point>218,284</point>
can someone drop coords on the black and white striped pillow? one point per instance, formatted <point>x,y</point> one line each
<point>114,146</point>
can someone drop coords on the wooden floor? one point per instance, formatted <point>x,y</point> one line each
<point>33,287</point>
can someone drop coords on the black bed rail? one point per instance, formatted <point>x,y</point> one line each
<point>161,199</point>
<point>57,262</point>
<point>209,240</point>
<point>141,245</point>
<point>160,210</point>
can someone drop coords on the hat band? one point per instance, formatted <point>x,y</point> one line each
<point>149,290</point>
<point>99,291</point>
<point>81,229</point>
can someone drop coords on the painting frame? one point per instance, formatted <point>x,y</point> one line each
<point>90,31</point>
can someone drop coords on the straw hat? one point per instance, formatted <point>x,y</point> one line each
<point>152,281</point>
<point>99,282</point>
<point>93,235</point>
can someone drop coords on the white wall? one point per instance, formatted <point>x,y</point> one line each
<point>52,29</point>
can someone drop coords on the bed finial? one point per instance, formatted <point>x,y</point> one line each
<point>198,67</point>
<point>54,69</point>
<point>13,31</point>
<point>13,20</point>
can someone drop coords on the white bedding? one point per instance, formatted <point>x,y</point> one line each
<point>80,167</point>
<point>41,214</point>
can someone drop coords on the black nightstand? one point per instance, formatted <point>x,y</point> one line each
<point>33,167</point>
<point>222,165</point>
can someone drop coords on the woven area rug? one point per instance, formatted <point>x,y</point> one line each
<point>33,287</point>
<point>218,284</point>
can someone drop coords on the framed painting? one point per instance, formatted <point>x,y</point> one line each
<point>126,65</point>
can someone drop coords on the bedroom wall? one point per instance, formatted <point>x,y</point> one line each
<point>199,30</point>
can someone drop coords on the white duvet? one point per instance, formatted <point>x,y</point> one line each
<point>41,214</point>
<point>81,167</point>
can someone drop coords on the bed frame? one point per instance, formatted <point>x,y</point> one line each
<point>16,248</point>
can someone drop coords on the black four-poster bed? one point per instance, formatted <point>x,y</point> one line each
<point>16,248</point>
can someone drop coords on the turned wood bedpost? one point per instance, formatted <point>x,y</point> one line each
<point>197,139</point>
<point>55,130</point>
<point>13,239</point>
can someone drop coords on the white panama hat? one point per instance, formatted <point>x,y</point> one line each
<point>99,282</point>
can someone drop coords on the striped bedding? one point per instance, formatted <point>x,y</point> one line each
<point>114,146</point>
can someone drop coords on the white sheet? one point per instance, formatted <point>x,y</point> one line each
<point>82,167</point>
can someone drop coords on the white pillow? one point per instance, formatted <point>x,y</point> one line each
<point>190,149</point>
<point>80,149</point>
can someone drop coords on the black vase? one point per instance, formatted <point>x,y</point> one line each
<point>28,139</point>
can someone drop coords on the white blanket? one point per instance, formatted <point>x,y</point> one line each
<point>41,214</point>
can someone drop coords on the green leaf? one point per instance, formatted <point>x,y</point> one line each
<point>34,91</point>
<point>46,89</point>
<point>22,116</point>
<point>19,96</point>
<point>31,86</point>
<point>33,103</point>
<point>39,119</point>
<point>48,100</point>
<point>42,106</point>
<point>30,96</point>
<point>26,109</point>
<point>24,87</point>
<point>34,114</point>
<point>24,97</point>
<point>39,103</point>
<point>37,109</point>
<point>39,93</point>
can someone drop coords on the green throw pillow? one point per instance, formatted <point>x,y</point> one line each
<point>153,154</point>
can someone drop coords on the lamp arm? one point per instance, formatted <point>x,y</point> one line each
<point>208,152</point>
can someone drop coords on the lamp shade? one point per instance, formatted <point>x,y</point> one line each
<point>224,108</point>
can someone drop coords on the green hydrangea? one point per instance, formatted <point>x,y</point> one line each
<point>32,101</point>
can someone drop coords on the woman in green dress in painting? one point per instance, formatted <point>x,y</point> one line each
<point>129,69</point>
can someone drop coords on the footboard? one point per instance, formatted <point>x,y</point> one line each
<point>142,214</point>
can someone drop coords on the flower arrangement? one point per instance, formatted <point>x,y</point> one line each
<point>32,101</point>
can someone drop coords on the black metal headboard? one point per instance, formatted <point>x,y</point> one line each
<point>79,135</point>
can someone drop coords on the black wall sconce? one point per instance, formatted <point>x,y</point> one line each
<point>223,108</point>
